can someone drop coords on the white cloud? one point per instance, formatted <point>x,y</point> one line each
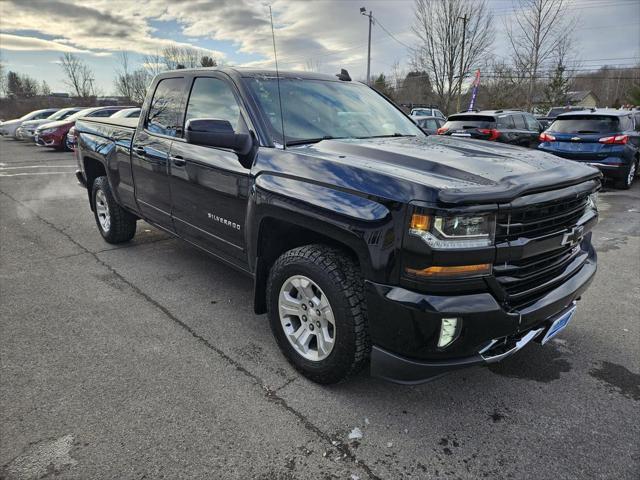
<point>21,43</point>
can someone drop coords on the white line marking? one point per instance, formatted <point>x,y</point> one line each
<point>37,166</point>
<point>34,173</point>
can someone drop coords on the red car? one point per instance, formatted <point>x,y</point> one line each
<point>54,134</point>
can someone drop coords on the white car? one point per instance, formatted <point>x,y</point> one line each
<point>427,112</point>
<point>27,130</point>
<point>9,127</point>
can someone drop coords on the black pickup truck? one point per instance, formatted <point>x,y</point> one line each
<point>369,243</point>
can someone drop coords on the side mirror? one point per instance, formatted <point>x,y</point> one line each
<point>212,132</point>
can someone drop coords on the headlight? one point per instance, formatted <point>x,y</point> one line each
<point>46,131</point>
<point>455,231</point>
<point>592,201</point>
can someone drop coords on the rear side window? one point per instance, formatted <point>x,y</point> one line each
<point>506,121</point>
<point>519,121</point>
<point>586,124</point>
<point>637,119</point>
<point>166,110</point>
<point>213,98</point>
<point>532,123</point>
<point>459,122</point>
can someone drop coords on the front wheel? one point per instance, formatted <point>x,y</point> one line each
<point>317,312</point>
<point>115,224</point>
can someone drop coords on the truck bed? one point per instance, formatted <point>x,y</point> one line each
<point>119,130</point>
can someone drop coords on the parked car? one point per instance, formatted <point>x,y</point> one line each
<point>124,113</point>
<point>27,130</point>
<point>427,112</point>
<point>547,120</point>
<point>54,134</point>
<point>9,127</point>
<point>368,242</point>
<point>127,113</point>
<point>505,126</point>
<point>429,125</point>
<point>607,139</point>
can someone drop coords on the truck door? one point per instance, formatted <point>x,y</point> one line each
<point>150,150</point>
<point>209,186</point>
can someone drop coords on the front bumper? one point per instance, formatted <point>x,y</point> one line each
<point>405,326</point>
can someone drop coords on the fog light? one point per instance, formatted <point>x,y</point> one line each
<point>448,331</point>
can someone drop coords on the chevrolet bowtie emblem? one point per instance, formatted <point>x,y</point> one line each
<point>573,236</point>
<point>575,139</point>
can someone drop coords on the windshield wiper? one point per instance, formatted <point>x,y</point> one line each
<point>312,140</point>
<point>389,136</point>
<point>588,131</point>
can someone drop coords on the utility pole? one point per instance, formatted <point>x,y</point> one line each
<point>363,11</point>
<point>464,19</point>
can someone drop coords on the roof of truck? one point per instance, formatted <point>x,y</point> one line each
<point>256,72</point>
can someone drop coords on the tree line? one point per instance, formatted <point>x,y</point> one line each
<point>454,38</point>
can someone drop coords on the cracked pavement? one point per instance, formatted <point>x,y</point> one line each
<point>146,361</point>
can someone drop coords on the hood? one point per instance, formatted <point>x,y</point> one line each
<point>9,123</point>
<point>439,169</point>
<point>56,124</point>
<point>33,123</point>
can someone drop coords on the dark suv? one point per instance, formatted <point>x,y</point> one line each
<point>607,139</point>
<point>505,126</point>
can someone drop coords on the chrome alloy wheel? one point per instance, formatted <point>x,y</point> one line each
<point>307,318</point>
<point>102,211</point>
<point>632,173</point>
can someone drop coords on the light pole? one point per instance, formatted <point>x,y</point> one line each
<point>363,11</point>
<point>464,19</point>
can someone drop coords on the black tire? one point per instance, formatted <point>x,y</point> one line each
<point>626,181</point>
<point>340,279</point>
<point>122,223</point>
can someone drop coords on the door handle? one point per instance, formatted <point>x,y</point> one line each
<point>139,150</point>
<point>178,161</point>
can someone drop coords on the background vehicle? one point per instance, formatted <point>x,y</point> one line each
<point>429,125</point>
<point>70,140</point>
<point>9,127</point>
<point>27,130</point>
<point>607,139</point>
<point>54,134</point>
<point>505,126</point>
<point>365,239</point>
<point>547,120</point>
<point>127,113</point>
<point>427,112</point>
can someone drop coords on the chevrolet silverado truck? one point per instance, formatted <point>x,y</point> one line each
<point>369,243</point>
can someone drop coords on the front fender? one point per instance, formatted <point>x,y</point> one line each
<point>371,228</point>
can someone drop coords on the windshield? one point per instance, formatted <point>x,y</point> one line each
<point>427,112</point>
<point>429,123</point>
<point>460,122</point>
<point>585,124</point>
<point>62,114</point>
<point>81,113</point>
<point>319,109</point>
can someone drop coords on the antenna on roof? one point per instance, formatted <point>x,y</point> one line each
<point>275,56</point>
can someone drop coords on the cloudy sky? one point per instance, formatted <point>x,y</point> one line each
<point>328,34</point>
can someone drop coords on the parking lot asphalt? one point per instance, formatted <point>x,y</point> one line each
<point>146,360</point>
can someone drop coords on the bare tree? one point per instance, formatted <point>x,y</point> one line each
<point>536,32</point>
<point>439,29</point>
<point>80,77</point>
<point>130,83</point>
<point>3,79</point>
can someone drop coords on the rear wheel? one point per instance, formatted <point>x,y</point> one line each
<point>316,304</point>
<point>629,176</point>
<point>115,224</point>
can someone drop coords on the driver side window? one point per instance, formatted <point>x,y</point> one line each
<point>213,98</point>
